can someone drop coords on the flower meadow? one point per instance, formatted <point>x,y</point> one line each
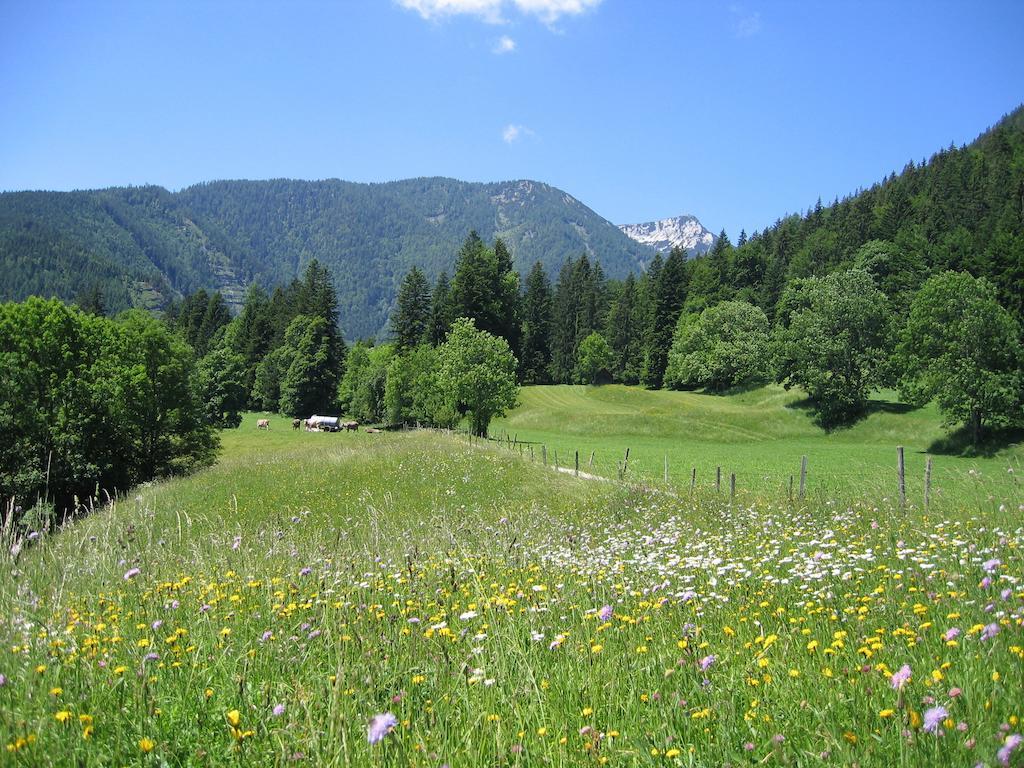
<point>413,600</point>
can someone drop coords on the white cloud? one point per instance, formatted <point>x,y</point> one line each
<point>505,44</point>
<point>491,11</point>
<point>747,24</point>
<point>513,133</point>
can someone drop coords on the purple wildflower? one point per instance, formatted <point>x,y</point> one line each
<point>605,613</point>
<point>3,680</point>
<point>748,746</point>
<point>236,543</point>
<point>305,571</point>
<point>951,634</point>
<point>157,624</point>
<point>900,677</point>
<point>152,657</point>
<point>1011,743</point>
<point>991,565</point>
<point>990,631</point>
<point>706,662</point>
<point>278,710</point>
<point>380,726</point>
<point>266,636</point>
<point>933,719</point>
<point>1006,594</point>
<point>986,582</point>
<point>131,574</point>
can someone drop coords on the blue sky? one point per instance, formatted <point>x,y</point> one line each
<point>737,113</point>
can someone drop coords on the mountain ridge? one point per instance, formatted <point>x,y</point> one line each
<point>146,246</point>
<point>684,231</point>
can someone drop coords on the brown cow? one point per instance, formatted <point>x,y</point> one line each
<point>351,426</point>
<point>263,424</point>
<point>296,423</point>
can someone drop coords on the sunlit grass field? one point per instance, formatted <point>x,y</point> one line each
<point>760,436</point>
<point>263,611</point>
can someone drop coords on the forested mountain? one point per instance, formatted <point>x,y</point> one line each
<point>145,246</point>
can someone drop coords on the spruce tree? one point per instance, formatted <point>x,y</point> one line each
<point>536,329</point>
<point>441,316</point>
<point>411,320</point>
<point>669,295</point>
<point>623,332</point>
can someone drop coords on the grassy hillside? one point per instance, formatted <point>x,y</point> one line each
<point>261,612</point>
<point>760,435</point>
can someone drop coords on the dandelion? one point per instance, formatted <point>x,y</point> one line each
<point>933,719</point>
<point>380,726</point>
<point>146,744</point>
<point>234,717</point>
<point>900,677</point>
<point>62,717</point>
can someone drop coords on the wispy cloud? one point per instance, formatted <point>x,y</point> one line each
<point>505,44</point>
<point>512,133</point>
<point>493,11</point>
<point>745,23</point>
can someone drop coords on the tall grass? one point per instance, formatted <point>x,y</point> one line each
<point>263,611</point>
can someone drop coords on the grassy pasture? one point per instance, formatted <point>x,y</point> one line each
<point>260,613</point>
<point>761,436</point>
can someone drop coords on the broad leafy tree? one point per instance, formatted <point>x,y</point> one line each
<point>479,374</point>
<point>595,360</point>
<point>834,343</point>
<point>961,348</point>
<point>727,345</point>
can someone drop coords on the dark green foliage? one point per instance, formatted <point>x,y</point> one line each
<point>362,389</point>
<point>441,311</point>
<point>668,291</point>
<point>309,383</point>
<point>725,346</point>
<point>220,375</point>
<point>576,312</point>
<point>88,403</point>
<point>486,290</point>
<point>834,343</point>
<point>413,392</point>
<point>963,349</point>
<point>624,333</point>
<point>535,351</point>
<point>410,323</point>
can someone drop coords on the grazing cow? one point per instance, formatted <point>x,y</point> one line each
<point>351,426</point>
<point>263,424</point>
<point>296,423</point>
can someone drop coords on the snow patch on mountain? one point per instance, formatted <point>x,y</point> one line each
<point>685,231</point>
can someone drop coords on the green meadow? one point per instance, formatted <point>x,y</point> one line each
<point>495,612</point>
<point>761,437</point>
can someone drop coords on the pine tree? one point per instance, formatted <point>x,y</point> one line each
<point>441,316</point>
<point>316,297</point>
<point>669,295</point>
<point>536,330</point>
<point>623,332</point>
<point>411,320</point>
<point>486,289</point>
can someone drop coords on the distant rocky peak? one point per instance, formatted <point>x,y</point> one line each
<point>663,235</point>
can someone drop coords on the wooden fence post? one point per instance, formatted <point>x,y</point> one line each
<point>625,463</point>
<point>666,469</point>
<point>590,464</point>
<point>803,475</point>
<point>790,487</point>
<point>901,475</point>
<point>927,483</point>
<point>577,463</point>
<point>732,486</point>
<point>718,479</point>
<point>544,454</point>
<point>693,479</point>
